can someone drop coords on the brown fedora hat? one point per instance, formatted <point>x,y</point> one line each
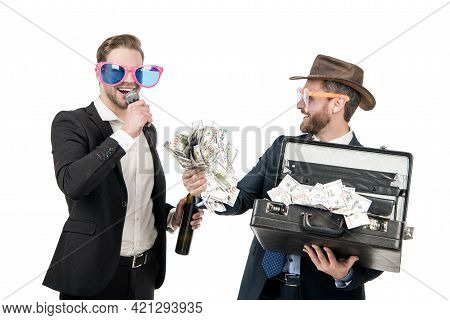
<point>329,68</point>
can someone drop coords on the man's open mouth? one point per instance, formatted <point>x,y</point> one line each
<point>124,91</point>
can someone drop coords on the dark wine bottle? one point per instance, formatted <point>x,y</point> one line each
<point>185,234</point>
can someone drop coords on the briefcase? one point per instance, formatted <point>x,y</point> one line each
<point>381,175</point>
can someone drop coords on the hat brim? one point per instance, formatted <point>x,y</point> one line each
<point>367,99</point>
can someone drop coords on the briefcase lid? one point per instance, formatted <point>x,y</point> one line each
<point>379,173</point>
<point>344,156</point>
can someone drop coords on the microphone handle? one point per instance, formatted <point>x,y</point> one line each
<point>131,97</point>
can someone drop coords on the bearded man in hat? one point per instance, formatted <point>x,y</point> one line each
<point>332,93</point>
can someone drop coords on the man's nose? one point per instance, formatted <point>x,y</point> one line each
<point>302,107</point>
<point>129,78</point>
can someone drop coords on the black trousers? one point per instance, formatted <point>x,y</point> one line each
<point>277,290</point>
<point>126,284</point>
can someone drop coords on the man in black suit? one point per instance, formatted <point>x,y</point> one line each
<point>113,245</point>
<point>331,95</point>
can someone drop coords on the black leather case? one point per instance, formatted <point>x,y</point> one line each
<point>381,175</point>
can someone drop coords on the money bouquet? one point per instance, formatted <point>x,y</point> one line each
<point>333,196</point>
<point>207,148</point>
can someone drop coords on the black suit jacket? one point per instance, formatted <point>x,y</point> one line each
<point>88,172</point>
<point>314,284</point>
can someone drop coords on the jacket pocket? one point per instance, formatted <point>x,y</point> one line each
<point>79,226</point>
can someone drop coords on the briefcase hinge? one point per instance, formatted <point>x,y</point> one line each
<point>408,233</point>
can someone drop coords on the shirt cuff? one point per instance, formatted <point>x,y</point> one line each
<point>170,227</point>
<point>345,281</point>
<point>124,139</point>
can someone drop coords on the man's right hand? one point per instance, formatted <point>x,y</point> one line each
<point>194,181</point>
<point>137,116</point>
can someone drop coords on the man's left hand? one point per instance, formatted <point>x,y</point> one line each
<point>196,217</point>
<point>326,261</point>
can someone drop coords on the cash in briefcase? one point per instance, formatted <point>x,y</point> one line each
<point>383,176</point>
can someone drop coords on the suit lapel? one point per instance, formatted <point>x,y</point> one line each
<point>106,130</point>
<point>104,126</point>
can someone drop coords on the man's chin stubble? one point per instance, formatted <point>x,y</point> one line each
<point>114,100</point>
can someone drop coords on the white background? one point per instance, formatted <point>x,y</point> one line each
<point>229,62</point>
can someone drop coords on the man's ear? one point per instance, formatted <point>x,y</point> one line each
<point>338,105</point>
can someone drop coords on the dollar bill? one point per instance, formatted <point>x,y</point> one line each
<point>300,195</point>
<point>358,203</point>
<point>318,196</point>
<point>356,220</point>
<point>335,194</point>
<point>288,184</point>
<point>279,195</point>
<point>232,196</point>
<point>345,211</point>
<point>206,148</point>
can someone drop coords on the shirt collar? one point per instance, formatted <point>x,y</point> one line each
<point>104,112</point>
<point>345,139</point>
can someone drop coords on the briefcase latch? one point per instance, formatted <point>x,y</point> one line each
<point>408,233</point>
<point>376,225</point>
<point>276,208</point>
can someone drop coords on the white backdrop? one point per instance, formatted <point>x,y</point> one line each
<point>229,62</point>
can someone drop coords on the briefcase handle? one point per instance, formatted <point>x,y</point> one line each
<point>326,231</point>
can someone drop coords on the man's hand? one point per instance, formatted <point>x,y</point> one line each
<point>194,181</point>
<point>325,261</point>
<point>196,217</point>
<point>137,115</point>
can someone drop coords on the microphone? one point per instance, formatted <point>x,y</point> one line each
<point>131,97</point>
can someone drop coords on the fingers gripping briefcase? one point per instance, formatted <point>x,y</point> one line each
<point>383,176</point>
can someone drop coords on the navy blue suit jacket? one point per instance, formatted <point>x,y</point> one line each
<point>314,284</point>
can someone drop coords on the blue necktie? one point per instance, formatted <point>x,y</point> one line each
<point>273,263</point>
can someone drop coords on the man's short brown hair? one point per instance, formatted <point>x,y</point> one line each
<point>123,40</point>
<point>355,97</point>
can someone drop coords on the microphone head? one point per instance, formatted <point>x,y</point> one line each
<point>132,96</point>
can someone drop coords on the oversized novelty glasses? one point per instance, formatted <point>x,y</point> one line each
<point>112,74</point>
<point>304,94</point>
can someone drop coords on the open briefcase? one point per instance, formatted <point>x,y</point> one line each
<point>383,176</point>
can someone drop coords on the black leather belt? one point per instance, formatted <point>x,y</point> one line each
<point>138,260</point>
<point>288,279</point>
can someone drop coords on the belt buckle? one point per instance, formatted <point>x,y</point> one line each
<point>133,264</point>
<point>291,279</point>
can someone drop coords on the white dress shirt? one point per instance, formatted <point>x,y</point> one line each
<point>293,263</point>
<point>139,231</point>
<point>345,139</point>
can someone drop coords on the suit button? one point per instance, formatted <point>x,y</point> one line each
<point>124,204</point>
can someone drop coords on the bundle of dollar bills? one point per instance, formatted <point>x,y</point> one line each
<point>207,148</point>
<point>333,196</point>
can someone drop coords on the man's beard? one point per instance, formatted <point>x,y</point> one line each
<point>111,94</point>
<point>315,123</point>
